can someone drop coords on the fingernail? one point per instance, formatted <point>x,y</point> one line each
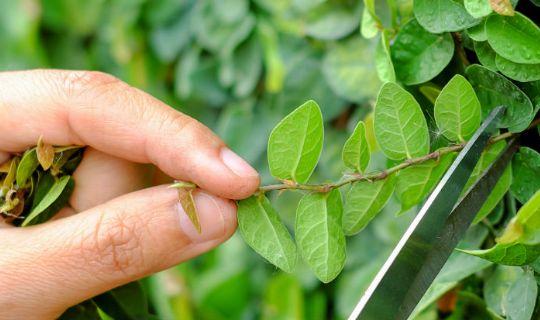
<point>238,165</point>
<point>210,216</point>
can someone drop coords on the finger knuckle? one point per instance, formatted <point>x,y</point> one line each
<point>116,244</point>
<point>78,83</point>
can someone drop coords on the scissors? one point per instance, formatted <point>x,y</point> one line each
<point>435,231</point>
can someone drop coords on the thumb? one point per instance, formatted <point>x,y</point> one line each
<point>66,261</point>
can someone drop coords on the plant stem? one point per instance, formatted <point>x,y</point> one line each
<point>355,177</point>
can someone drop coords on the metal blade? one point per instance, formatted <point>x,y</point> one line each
<point>428,242</point>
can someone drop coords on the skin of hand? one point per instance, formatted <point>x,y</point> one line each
<point>115,230</point>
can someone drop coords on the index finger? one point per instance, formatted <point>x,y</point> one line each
<point>96,109</point>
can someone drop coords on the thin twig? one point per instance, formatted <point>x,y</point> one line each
<point>350,178</point>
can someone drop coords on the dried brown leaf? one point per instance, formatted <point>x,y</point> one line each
<point>185,196</point>
<point>502,7</point>
<point>45,154</point>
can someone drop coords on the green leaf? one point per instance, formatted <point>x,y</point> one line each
<point>478,32</point>
<point>526,171</point>
<point>418,55</point>
<point>477,8</point>
<point>485,55</point>
<point>514,37</point>
<point>517,254</point>
<point>400,126</point>
<point>439,16</point>
<point>383,60</point>
<point>457,110</point>
<point>414,183</point>
<point>495,90</point>
<point>497,286</point>
<point>368,28</point>
<point>511,292</point>
<point>296,143</point>
<point>331,20</point>
<point>29,163</point>
<point>54,198</point>
<point>364,201</point>
<point>521,297</point>
<point>319,236</point>
<point>349,69</point>
<point>263,231</point>
<point>356,152</point>
<point>518,71</point>
<point>283,298</point>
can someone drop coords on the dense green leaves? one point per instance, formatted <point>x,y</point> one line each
<point>349,69</point>
<point>526,170</point>
<point>319,236</point>
<point>495,90</point>
<point>295,144</point>
<point>356,153</point>
<point>457,110</point>
<point>514,38</point>
<point>364,201</point>
<point>443,15</point>
<point>416,182</point>
<point>400,126</point>
<point>418,55</point>
<point>263,230</point>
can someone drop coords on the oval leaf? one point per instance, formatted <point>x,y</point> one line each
<point>356,153</point>
<point>263,231</point>
<point>364,201</point>
<point>400,126</point>
<point>495,90</point>
<point>457,110</point>
<point>514,38</point>
<point>296,143</point>
<point>518,71</point>
<point>319,236</point>
<point>418,55</point>
<point>443,15</point>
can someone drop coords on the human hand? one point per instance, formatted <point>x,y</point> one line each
<point>111,233</point>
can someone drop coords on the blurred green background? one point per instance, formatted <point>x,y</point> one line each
<point>238,66</point>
